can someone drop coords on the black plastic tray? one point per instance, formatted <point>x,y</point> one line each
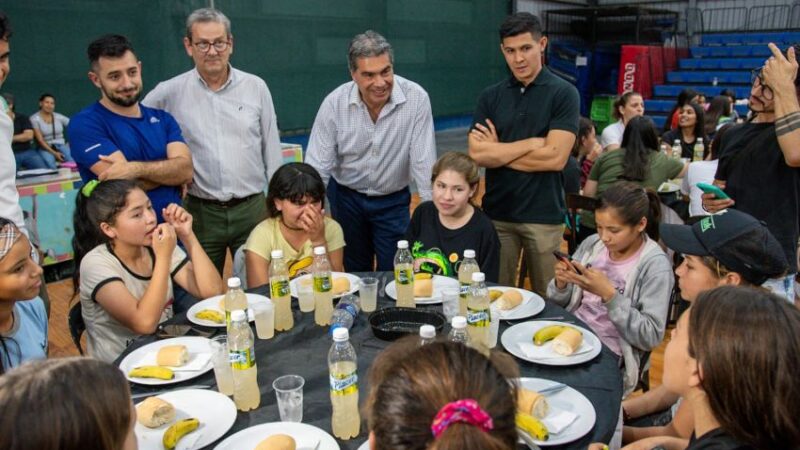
<point>393,323</point>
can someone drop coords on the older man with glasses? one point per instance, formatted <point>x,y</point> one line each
<point>759,160</point>
<point>228,120</point>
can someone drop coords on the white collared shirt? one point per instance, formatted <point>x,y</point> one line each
<point>9,197</point>
<point>375,158</point>
<point>232,132</point>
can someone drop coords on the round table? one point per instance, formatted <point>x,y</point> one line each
<point>304,350</point>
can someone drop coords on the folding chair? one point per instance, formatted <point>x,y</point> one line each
<point>76,325</point>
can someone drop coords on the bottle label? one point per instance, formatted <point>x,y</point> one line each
<point>344,384</point>
<point>464,290</point>
<point>279,288</point>
<point>322,284</point>
<point>242,359</point>
<point>403,276</point>
<point>478,317</point>
<point>349,307</point>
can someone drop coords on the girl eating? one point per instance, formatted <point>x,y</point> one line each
<point>620,280</point>
<point>296,224</point>
<point>128,264</point>
<point>23,319</point>
<point>442,229</point>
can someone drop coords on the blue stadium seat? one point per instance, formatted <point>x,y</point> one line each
<point>672,91</point>
<point>726,77</point>
<point>733,51</point>
<point>784,38</point>
<point>659,121</point>
<point>657,106</point>
<point>720,63</point>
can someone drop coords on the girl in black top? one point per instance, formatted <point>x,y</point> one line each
<point>691,125</point>
<point>440,230</point>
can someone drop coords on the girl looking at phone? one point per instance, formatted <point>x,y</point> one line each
<point>128,264</point>
<point>624,295</point>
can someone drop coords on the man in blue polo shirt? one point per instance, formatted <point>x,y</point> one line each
<point>524,130</point>
<point>118,138</point>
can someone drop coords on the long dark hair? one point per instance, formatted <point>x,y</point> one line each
<point>631,202</point>
<point>292,182</point>
<point>80,403</point>
<point>638,141</point>
<point>720,106</point>
<point>409,384</point>
<point>713,147</point>
<point>102,205</point>
<point>684,98</point>
<point>585,126</point>
<point>699,124</point>
<point>746,342</point>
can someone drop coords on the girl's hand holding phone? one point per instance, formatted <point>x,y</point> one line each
<point>164,241</point>
<point>594,281</point>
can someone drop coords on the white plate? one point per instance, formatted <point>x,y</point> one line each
<point>523,332</point>
<point>215,411</point>
<point>194,344</point>
<point>364,446</point>
<point>354,281</point>
<point>566,400</point>
<point>439,283</point>
<point>531,305</point>
<point>304,434</point>
<point>213,303</point>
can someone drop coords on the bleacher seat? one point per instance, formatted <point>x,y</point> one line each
<point>672,90</point>
<point>723,77</point>
<point>720,63</point>
<point>751,38</point>
<point>731,51</point>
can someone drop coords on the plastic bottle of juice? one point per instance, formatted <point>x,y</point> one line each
<point>698,150</point>
<point>346,420</point>
<point>427,334</point>
<point>478,313</point>
<point>458,331</point>
<point>243,362</point>
<point>323,285</point>
<point>279,291</point>
<point>234,299</point>
<point>404,276</point>
<point>469,265</point>
<point>676,149</point>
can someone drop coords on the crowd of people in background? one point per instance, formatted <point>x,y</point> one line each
<point>176,180</point>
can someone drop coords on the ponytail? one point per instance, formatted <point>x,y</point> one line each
<point>639,141</point>
<point>96,203</point>
<point>632,202</point>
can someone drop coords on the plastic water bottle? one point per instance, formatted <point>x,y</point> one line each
<point>699,149</point>
<point>404,276</point>
<point>479,316</point>
<point>234,299</point>
<point>243,362</point>
<point>458,333</point>
<point>427,334</point>
<point>468,266</point>
<point>346,312</point>
<point>346,420</point>
<point>323,287</point>
<point>676,149</point>
<point>279,291</point>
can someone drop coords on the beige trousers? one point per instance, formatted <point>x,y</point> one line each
<point>539,241</point>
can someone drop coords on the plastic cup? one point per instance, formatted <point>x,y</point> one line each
<point>494,326</point>
<point>289,391</point>
<point>222,367</point>
<point>450,299</point>
<point>264,313</point>
<point>305,295</point>
<point>368,292</point>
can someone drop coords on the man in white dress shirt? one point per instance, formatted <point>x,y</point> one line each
<point>371,137</point>
<point>228,120</point>
<point>9,197</point>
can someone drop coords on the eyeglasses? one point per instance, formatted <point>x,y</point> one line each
<point>219,46</point>
<point>756,75</point>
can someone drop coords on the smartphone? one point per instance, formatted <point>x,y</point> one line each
<point>711,189</point>
<point>565,258</point>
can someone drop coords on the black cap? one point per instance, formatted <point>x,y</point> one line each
<point>738,240</point>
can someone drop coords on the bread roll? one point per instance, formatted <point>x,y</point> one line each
<point>567,342</point>
<point>532,402</point>
<point>423,288</point>
<point>154,412</point>
<point>172,355</point>
<point>509,300</point>
<point>341,285</point>
<point>277,442</point>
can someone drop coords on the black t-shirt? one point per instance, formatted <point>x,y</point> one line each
<point>438,249</point>
<point>716,440</point>
<point>761,182</point>
<point>519,112</point>
<point>21,123</point>
<point>571,177</point>
<point>687,148</point>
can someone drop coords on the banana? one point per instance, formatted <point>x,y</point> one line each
<point>211,314</point>
<point>494,294</point>
<point>159,372</point>
<point>532,426</point>
<point>178,430</point>
<point>547,333</point>
<point>422,276</point>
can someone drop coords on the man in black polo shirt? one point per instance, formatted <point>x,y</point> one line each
<point>524,130</point>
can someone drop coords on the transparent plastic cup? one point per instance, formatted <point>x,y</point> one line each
<point>368,293</point>
<point>264,313</point>
<point>289,392</point>
<point>450,303</point>
<point>305,295</point>
<point>222,366</point>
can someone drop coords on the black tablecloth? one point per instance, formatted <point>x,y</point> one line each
<point>304,350</point>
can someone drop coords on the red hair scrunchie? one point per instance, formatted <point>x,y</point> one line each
<point>465,411</point>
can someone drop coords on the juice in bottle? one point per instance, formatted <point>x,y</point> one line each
<point>478,313</point>
<point>279,291</point>
<point>346,420</point>
<point>243,362</point>
<point>404,276</point>
<point>469,265</point>
<point>234,299</point>
<point>323,287</point>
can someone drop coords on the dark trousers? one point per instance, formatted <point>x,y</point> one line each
<point>372,225</point>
